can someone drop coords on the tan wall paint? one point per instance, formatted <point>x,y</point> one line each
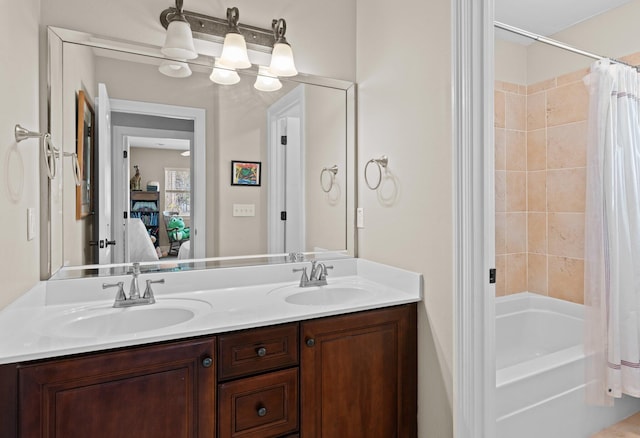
<point>614,34</point>
<point>510,62</point>
<point>404,111</point>
<point>19,163</point>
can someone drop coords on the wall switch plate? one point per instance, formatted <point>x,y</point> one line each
<point>31,223</point>
<point>244,210</point>
<point>360,217</point>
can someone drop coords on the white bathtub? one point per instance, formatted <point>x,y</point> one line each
<point>540,371</point>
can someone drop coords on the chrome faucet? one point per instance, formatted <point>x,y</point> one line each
<point>134,291</point>
<point>318,276</point>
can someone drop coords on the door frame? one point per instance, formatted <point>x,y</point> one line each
<point>198,162</point>
<point>472,49</point>
<point>290,105</point>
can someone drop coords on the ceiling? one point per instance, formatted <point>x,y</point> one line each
<point>159,143</point>
<point>547,17</point>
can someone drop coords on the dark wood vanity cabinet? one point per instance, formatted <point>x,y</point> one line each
<point>351,376</point>
<point>157,391</point>
<point>358,375</point>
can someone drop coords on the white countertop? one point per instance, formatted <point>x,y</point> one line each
<point>225,299</point>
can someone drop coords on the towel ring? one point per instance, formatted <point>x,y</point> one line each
<point>381,163</point>
<point>332,171</point>
<point>49,151</point>
<point>76,166</point>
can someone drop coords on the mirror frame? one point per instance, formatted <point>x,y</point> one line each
<point>51,191</point>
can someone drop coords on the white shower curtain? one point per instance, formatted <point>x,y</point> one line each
<point>612,233</point>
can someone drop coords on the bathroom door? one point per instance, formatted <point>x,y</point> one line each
<point>102,217</point>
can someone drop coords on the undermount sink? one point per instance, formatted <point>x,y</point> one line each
<point>328,296</point>
<point>105,321</point>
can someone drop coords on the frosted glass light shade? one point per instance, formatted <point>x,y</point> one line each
<point>266,81</point>
<point>282,63</point>
<point>224,75</point>
<point>234,51</point>
<point>178,42</point>
<point>175,69</point>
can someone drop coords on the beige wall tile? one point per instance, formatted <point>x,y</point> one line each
<point>501,275</point>
<point>501,190</point>
<point>516,233</point>
<point>516,191</point>
<point>567,146</point>
<point>566,190</point>
<point>536,111</point>
<point>501,233</point>
<point>507,86</point>
<point>500,151</point>
<point>516,149</point>
<point>537,150</point>
<point>537,191</point>
<point>566,234</point>
<point>541,86</point>
<point>522,89</point>
<point>499,111</point>
<point>537,233</point>
<point>633,59</point>
<point>537,273</point>
<point>516,273</point>
<point>575,76</point>
<point>516,112</point>
<point>567,104</point>
<point>566,278</point>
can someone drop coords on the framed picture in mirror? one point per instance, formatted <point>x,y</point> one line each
<point>85,148</point>
<point>245,173</point>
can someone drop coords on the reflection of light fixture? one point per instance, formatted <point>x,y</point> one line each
<point>178,42</point>
<point>175,69</point>
<point>234,50</point>
<point>186,153</point>
<point>224,75</point>
<point>267,81</point>
<point>282,56</point>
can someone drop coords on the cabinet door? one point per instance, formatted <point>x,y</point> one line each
<point>158,391</point>
<point>359,375</point>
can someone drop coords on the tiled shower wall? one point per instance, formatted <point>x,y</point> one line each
<point>540,159</point>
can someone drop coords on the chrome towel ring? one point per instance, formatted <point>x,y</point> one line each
<point>381,164</point>
<point>332,172</point>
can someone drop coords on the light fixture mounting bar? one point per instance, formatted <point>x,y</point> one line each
<point>218,27</point>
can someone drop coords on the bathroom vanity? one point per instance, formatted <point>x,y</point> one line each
<point>342,368</point>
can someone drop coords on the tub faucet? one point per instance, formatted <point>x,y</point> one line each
<point>134,289</point>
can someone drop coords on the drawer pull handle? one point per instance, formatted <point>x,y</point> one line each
<point>262,412</point>
<point>207,362</point>
<point>311,342</point>
<point>262,352</point>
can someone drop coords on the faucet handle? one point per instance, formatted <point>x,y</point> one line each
<point>305,278</point>
<point>323,271</point>
<point>120,296</point>
<point>148,292</point>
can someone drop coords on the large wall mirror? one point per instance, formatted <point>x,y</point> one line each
<point>183,168</point>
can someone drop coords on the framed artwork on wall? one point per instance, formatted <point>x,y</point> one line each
<point>245,173</point>
<point>85,148</point>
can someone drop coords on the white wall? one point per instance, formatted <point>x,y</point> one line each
<point>510,62</point>
<point>404,111</point>
<point>19,163</point>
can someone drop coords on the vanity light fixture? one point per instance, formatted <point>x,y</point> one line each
<point>234,49</point>
<point>235,38</point>
<point>282,63</point>
<point>178,42</point>
<point>224,75</point>
<point>266,81</point>
<point>175,69</point>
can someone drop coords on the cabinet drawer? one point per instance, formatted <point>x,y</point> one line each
<point>257,350</point>
<point>263,406</point>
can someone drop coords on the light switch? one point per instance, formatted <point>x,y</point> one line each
<point>244,210</point>
<point>360,217</point>
<point>31,224</point>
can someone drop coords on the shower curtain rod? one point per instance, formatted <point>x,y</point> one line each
<point>554,43</point>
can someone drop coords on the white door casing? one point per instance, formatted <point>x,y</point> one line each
<point>103,209</point>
